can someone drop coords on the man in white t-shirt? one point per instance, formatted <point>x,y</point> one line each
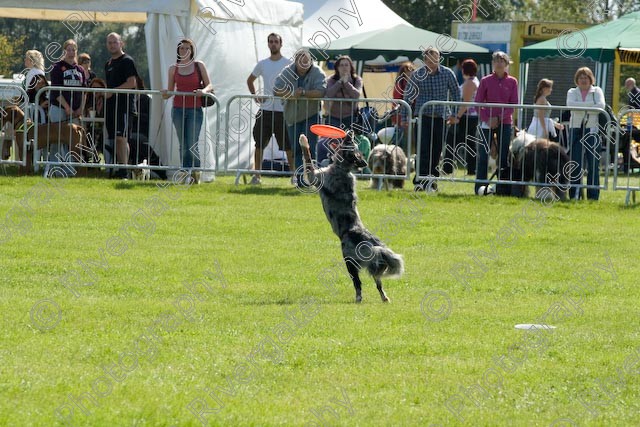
<point>269,119</point>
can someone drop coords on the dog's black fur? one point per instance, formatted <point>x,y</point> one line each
<point>542,161</point>
<point>360,248</point>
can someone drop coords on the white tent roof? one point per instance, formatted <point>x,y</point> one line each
<point>358,16</point>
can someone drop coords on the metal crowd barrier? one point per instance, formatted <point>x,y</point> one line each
<point>628,154</point>
<point>454,147</point>
<point>245,122</point>
<point>83,141</point>
<point>13,123</point>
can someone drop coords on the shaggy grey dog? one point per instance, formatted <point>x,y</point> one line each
<point>389,160</point>
<point>336,186</point>
<point>540,160</point>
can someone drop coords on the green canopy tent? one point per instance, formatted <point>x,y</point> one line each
<point>400,40</point>
<point>604,47</point>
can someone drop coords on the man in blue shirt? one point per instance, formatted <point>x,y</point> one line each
<point>433,82</point>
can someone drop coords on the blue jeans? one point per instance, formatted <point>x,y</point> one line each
<point>585,146</point>
<point>482,152</point>
<point>294,132</point>
<point>188,122</point>
<point>57,114</point>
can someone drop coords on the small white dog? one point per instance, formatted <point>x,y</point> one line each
<point>143,173</point>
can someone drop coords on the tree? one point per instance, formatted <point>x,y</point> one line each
<point>9,56</point>
<point>437,15</point>
<point>48,37</point>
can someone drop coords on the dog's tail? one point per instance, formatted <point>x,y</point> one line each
<point>385,263</point>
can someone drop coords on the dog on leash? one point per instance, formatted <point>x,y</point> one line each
<point>388,160</point>
<point>71,135</point>
<point>336,186</point>
<point>142,173</point>
<point>539,160</point>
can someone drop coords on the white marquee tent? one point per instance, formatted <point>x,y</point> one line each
<point>341,18</point>
<point>230,35</point>
<point>328,21</point>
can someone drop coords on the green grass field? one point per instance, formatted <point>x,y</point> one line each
<point>96,310</point>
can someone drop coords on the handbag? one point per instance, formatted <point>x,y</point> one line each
<point>207,101</point>
<point>366,117</point>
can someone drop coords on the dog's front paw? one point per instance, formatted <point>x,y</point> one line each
<point>385,299</point>
<point>303,141</point>
<point>358,299</point>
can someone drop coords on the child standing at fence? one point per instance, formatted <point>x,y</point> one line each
<point>542,126</point>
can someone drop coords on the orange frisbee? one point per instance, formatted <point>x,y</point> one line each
<point>328,131</point>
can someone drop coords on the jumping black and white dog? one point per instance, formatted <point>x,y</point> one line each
<point>539,160</point>
<point>336,186</point>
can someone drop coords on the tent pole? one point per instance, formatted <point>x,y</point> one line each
<point>187,20</point>
<point>616,80</point>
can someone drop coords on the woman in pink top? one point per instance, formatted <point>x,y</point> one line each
<point>500,88</point>
<point>188,75</point>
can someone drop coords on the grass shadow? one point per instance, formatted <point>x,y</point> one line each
<point>271,302</point>
<point>265,191</point>
<point>131,184</point>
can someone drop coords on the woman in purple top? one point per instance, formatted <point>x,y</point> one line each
<point>67,72</point>
<point>500,88</point>
<point>344,83</point>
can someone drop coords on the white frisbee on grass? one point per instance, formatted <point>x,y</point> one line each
<point>533,326</point>
<point>486,190</point>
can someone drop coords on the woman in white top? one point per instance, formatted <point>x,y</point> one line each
<point>542,126</point>
<point>583,138</point>
<point>466,121</point>
<point>34,62</point>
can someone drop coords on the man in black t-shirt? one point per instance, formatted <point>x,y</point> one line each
<point>120,72</point>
